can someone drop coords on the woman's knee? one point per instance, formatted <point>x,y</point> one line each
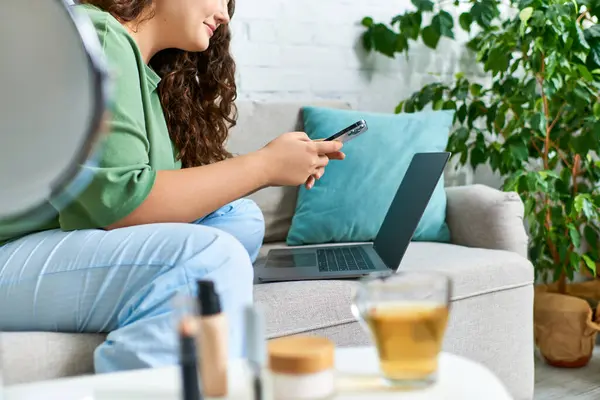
<point>254,222</point>
<point>219,254</point>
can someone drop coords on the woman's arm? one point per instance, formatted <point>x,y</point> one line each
<point>188,194</point>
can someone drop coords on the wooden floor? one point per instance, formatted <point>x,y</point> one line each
<point>566,384</point>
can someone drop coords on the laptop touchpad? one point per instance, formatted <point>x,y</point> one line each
<point>288,259</point>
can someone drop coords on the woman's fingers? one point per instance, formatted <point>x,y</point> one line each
<point>328,147</point>
<point>320,173</point>
<point>310,182</point>
<point>322,161</point>
<point>337,155</point>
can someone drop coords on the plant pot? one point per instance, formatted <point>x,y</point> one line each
<point>564,328</point>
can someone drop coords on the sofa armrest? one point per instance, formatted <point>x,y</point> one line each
<point>480,216</point>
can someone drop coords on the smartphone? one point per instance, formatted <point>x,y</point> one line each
<point>351,132</point>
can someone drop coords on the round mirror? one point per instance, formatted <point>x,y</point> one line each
<point>52,100</point>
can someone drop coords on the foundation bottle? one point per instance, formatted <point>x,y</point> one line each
<point>213,346</point>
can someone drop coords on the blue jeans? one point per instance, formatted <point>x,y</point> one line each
<point>124,282</point>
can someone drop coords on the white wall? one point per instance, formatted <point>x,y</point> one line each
<point>310,49</point>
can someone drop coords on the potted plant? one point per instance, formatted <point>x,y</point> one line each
<point>535,122</point>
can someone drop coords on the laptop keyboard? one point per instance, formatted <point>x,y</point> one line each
<point>343,259</point>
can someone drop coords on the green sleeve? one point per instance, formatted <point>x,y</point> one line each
<point>123,176</point>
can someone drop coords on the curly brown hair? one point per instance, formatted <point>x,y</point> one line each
<point>197,90</point>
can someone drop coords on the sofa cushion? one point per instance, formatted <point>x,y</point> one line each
<point>258,123</point>
<point>350,202</point>
<point>295,307</point>
<point>34,356</point>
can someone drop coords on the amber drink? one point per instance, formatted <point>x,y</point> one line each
<point>406,315</point>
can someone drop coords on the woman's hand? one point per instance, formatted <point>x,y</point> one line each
<point>310,182</point>
<point>293,159</point>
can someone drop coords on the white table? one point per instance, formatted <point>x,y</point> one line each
<point>459,378</point>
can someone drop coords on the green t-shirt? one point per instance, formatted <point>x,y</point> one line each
<point>137,144</point>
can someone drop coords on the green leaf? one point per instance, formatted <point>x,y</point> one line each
<point>583,204</point>
<point>525,14</point>
<point>449,105</point>
<point>498,60</point>
<point>476,110</point>
<point>529,205</point>
<point>424,97</point>
<point>367,40</point>
<point>367,21</point>
<point>401,43</point>
<point>423,5</point>
<point>574,262</point>
<point>461,134</point>
<point>581,38</point>
<point>519,151</point>
<point>479,154</point>
<point>462,113</point>
<point>484,12</point>
<point>538,123</point>
<point>410,24</point>
<point>589,263</point>
<point>591,237</point>
<point>595,53</point>
<point>478,157</point>
<point>597,110</point>
<point>476,89</point>
<point>575,236</point>
<point>593,32</point>
<point>501,117</point>
<point>398,109</point>
<point>461,91</point>
<point>465,20</point>
<point>430,36</point>
<point>438,104</point>
<point>558,272</point>
<point>538,19</point>
<point>443,23</point>
<point>491,117</point>
<point>384,39</point>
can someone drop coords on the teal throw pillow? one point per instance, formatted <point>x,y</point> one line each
<point>349,203</point>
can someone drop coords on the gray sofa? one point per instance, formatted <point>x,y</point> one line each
<point>492,305</point>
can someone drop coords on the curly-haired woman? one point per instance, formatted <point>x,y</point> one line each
<point>166,205</point>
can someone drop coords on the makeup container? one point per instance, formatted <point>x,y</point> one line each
<point>302,368</point>
<point>213,341</point>
<point>256,352</point>
<point>188,361</point>
<point>1,381</point>
<point>187,328</point>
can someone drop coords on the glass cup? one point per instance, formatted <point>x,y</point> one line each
<point>406,313</point>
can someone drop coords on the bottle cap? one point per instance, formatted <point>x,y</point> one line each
<point>301,355</point>
<point>208,299</point>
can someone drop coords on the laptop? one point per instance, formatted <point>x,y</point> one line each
<point>337,261</point>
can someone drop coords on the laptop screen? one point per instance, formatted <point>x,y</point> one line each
<point>408,206</point>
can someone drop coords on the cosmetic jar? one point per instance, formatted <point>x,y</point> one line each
<point>302,368</point>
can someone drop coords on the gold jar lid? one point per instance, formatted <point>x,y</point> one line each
<point>301,354</point>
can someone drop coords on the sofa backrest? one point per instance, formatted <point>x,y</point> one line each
<point>257,124</point>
